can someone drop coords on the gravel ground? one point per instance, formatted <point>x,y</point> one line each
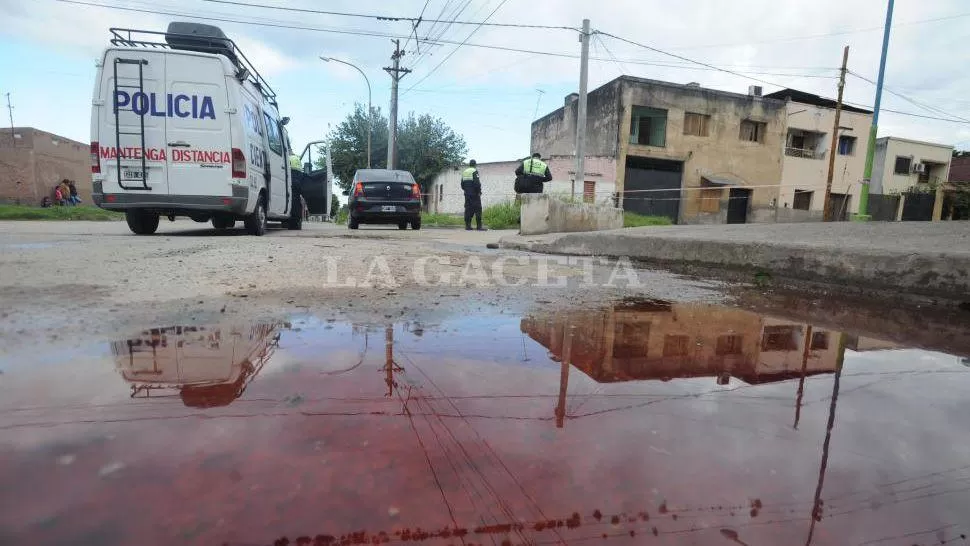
<point>77,282</point>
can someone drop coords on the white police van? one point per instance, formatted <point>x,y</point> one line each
<point>182,124</point>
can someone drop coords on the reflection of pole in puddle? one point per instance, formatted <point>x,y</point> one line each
<point>817,504</point>
<point>567,346</point>
<point>801,380</point>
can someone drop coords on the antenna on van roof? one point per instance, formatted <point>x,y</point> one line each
<point>196,37</point>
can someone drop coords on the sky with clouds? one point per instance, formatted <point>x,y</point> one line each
<point>48,49</point>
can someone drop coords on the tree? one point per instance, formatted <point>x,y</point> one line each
<point>348,144</point>
<point>334,205</point>
<point>427,146</point>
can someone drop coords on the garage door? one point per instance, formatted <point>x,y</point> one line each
<point>652,187</point>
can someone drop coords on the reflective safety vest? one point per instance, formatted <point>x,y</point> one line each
<point>295,163</point>
<point>469,173</point>
<point>535,167</point>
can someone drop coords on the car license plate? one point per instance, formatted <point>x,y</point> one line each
<point>133,175</point>
<point>388,208</point>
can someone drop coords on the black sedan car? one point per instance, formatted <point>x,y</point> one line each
<point>382,196</point>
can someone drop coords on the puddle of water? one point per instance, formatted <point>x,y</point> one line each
<point>644,422</point>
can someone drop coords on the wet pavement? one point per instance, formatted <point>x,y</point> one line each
<point>641,422</point>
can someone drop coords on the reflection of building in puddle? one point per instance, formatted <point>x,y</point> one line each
<point>206,366</point>
<point>663,341</point>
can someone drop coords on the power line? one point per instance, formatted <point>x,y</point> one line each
<point>914,102</point>
<point>390,18</point>
<point>824,35</point>
<point>470,34</point>
<point>414,29</point>
<point>454,15</point>
<point>910,114</point>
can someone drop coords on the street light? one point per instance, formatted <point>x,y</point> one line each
<point>369,113</point>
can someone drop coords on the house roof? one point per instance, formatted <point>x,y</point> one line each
<point>815,100</point>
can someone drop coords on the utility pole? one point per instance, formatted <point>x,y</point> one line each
<point>871,148</point>
<point>581,107</point>
<point>13,140</point>
<point>827,214</point>
<point>396,73</point>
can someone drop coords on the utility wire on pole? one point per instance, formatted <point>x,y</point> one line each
<point>827,214</point>
<point>396,73</point>
<point>871,148</point>
<point>581,107</point>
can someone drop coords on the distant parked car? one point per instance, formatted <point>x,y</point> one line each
<point>382,196</point>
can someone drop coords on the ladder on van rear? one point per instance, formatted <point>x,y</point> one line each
<point>143,172</point>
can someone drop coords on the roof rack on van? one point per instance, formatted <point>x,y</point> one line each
<point>217,43</point>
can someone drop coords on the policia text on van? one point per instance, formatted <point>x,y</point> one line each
<point>183,125</point>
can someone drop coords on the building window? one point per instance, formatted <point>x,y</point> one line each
<point>711,199</point>
<point>589,191</point>
<point>820,341</point>
<point>730,344</point>
<point>805,144</point>
<point>675,345</point>
<point>780,338</point>
<point>649,126</point>
<point>696,124</point>
<point>803,200</point>
<point>847,145</point>
<point>630,339</point>
<point>903,165</point>
<point>924,173</point>
<point>752,131</point>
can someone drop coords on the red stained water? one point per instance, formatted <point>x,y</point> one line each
<point>655,425</point>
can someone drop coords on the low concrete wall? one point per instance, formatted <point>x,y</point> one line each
<point>785,215</point>
<point>542,213</point>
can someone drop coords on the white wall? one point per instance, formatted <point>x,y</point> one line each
<point>884,178</point>
<point>498,182</point>
<point>810,174</point>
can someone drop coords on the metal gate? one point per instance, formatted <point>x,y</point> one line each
<point>652,187</point>
<point>918,207</point>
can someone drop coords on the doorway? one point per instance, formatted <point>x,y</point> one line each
<point>738,204</point>
<point>652,187</point>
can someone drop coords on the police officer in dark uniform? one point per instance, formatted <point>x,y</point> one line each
<point>471,185</point>
<point>533,172</point>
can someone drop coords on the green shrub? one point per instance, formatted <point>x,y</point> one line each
<point>502,215</point>
<point>442,220</point>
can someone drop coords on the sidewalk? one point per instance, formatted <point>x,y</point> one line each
<point>925,258</point>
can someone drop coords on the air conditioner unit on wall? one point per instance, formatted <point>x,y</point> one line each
<point>919,168</point>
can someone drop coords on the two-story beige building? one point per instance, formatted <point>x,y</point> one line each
<point>808,146</point>
<point>693,154</point>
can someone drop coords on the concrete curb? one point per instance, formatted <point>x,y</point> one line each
<point>931,273</point>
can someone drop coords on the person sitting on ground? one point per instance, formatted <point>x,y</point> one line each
<point>74,198</point>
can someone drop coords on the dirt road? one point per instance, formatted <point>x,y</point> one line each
<point>70,281</point>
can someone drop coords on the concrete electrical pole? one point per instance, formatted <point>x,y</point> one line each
<point>13,140</point>
<point>396,73</point>
<point>827,214</point>
<point>871,148</point>
<point>580,177</point>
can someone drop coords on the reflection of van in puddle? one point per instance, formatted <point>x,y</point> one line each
<point>206,366</point>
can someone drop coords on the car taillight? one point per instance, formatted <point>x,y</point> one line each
<point>95,158</point>
<point>359,190</point>
<point>416,191</point>
<point>238,163</point>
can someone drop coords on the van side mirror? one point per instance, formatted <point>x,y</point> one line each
<point>285,120</point>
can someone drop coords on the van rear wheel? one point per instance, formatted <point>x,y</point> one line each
<point>141,223</point>
<point>256,222</point>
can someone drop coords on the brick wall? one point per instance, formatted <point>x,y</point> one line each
<point>32,164</point>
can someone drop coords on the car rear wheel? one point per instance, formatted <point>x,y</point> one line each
<point>352,223</point>
<point>256,222</point>
<point>223,222</point>
<point>141,223</point>
<point>416,223</point>
<point>402,225</point>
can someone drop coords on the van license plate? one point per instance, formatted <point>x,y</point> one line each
<point>388,208</point>
<point>133,175</point>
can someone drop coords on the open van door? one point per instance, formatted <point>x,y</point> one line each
<point>315,187</point>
